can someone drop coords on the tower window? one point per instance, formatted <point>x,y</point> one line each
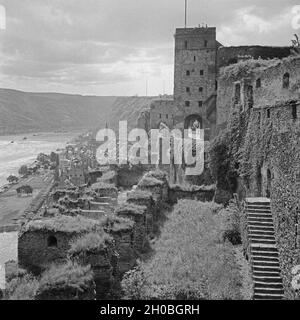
<point>268,113</point>
<point>258,83</point>
<point>187,103</point>
<point>167,117</point>
<point>237,95</point>
<point>200,89</point>
<point>205,43</point>
<point>286,81</point>
<point>194,58</point>
<point>188,73</point>
<point>52,242</point>
<point>160,116</point>
<point>200,103</point>
<point>185,44</point>
<point>188,89</point>
<point>294,111</point>
<point>201,72</point>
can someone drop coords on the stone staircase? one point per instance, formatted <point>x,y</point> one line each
<point>263,250</point>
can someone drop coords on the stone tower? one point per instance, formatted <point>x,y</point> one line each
<point>195,73</point>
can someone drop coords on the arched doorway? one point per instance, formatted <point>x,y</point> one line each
<point>193,122</point>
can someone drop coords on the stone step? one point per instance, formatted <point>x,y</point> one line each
<point>261,241</point>
<point>260,224</point>
<point>264,297</point>
<point>261,236</point>
<point>265,263</point>
<point>264,247</point>
<point>264,255</point>
<point>261,232</point>
<point>267,279</point>
<point>264,258</point>
<point>261,228</point>
<point>277,291</point>
<point>271,274</point>
<point>254,219</point>
<point>266,269</point>
<point>257,211</point>
<point>259,216</point>
<point>258,204</point>
<point>270,285</point>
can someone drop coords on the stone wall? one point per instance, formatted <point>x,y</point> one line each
<point>201,193</point>
<point>231,55</point>
<point>138,215</point>
<point>266,83</point>
<point>35,254</point>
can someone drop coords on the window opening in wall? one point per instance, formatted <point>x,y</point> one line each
<point>160,116</point>
<point>286,81</point>
<point>201,89</point>
<point>294,112</point>
<point>258,83</point>
<point>205,43</point>
<point>52,242</point>
<point>201,72</point>
<point>185,44</point>
<point>188,73</point>
<point>268,113</point>
<point>237,93</point>
<point>200,103</point>
<point>250,97</point>
<point>188,89</point>
<point>187,103</point>
<point>194,58</point>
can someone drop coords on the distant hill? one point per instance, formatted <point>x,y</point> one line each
<point>22,112</point>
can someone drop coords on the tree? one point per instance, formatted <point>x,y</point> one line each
<point>23,171</point>
<point>12,179</point>
<point>27,190</point>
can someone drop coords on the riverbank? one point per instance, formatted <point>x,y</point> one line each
<point>18,150</point>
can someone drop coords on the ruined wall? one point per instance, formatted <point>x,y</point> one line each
<point>201,194</point>
<point>163,110</point>
<point>230,55</point>
<point>266,80</point>
<point>34,252</point>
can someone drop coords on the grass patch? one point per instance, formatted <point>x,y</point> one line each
<point>130,209</point>
<point>62,224</point>
<point>191,259</point>
<point>90,242</point>
<point>66,276</point>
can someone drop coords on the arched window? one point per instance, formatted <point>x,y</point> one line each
<point>237,93</point>
<point>52,242</point>
<point>286,81</point>
<point>268,113</point>
<point>258,83</point>
<point>294,112</point>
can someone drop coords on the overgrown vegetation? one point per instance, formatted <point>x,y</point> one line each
<point>191,261</point>
<point>66,276</point>
<point>90,242</point>
<point>22,287</point>
<point>62,224</point>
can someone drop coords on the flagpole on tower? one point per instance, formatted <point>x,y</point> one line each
<point>185,13</point>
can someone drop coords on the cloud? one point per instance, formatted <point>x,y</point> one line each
<point>107,46</point>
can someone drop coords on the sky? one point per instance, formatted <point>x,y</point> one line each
<point>122,47</point>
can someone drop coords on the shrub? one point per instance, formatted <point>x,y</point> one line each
<point>231,224</point>
<point>22,288</point>
<point>90,242</point>
<point>68,276</point>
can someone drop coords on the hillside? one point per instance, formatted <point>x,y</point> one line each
<point>22,112</point>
